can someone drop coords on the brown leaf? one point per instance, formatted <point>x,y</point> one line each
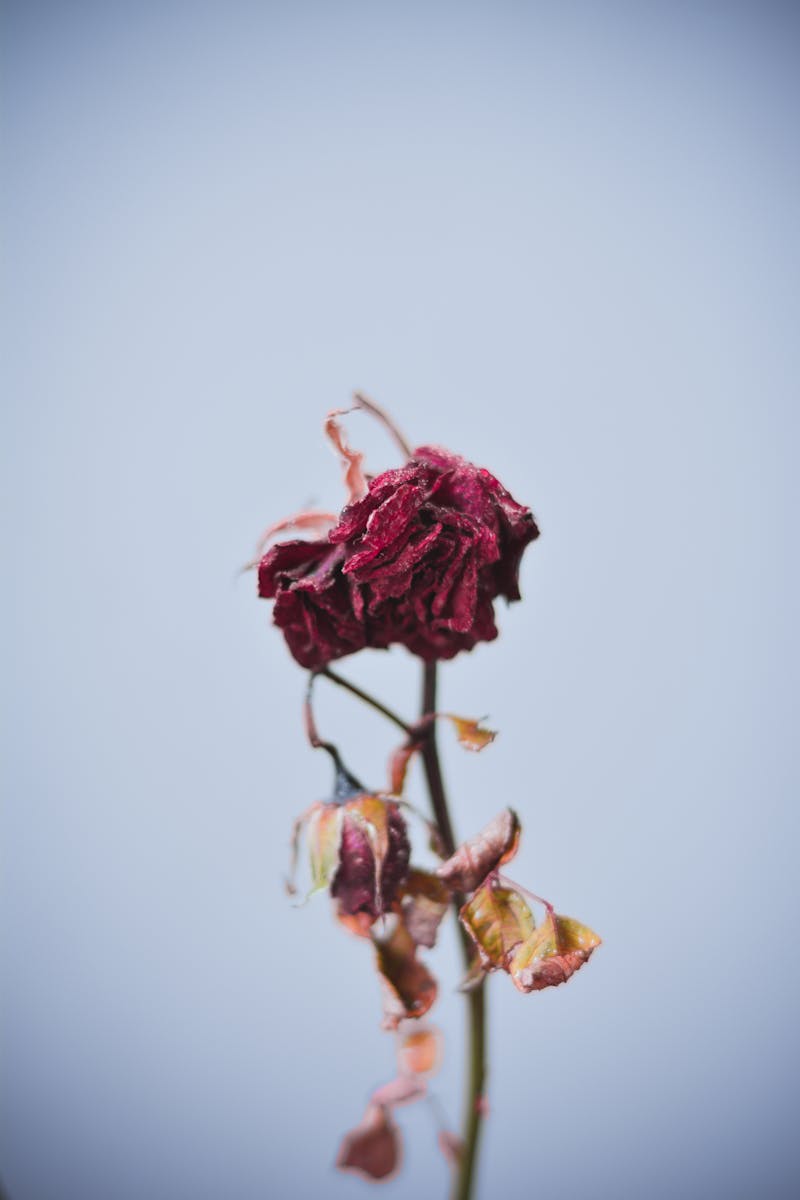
<point>557,949</point>
<point>475,859</point>
<point>402,1090</point>
<point>408,987</point>
<point>373,1149</point>
<point>419,1052</point>
<point>423,901</point>
<point>471,734</point>
<point>498,920</point>
<point>398,766</point>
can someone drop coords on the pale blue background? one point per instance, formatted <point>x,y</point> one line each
<point>563,240</point>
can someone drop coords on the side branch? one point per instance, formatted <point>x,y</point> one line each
<point>341,682</point>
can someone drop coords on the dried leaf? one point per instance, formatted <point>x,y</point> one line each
<point>424,902</point>
<point>403,1090</point>
<point>557,949</point>
<point>373,1148</point>
<point>419,1052</point>
<point>324,835</point>
<point>475,859</point>
<point>408,987</point>
<point>471,734</point>
<point>398,766</point>
<point>498,920</point>
<point>354,479</point>
<point>359,924</point>
<point>474,976</point>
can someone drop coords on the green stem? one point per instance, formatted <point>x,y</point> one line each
<point>464,1179</point>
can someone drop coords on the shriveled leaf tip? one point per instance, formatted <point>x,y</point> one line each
<point>408,987</point>
<point>373,1148</point>
<point>488,850</point>
<point>471,734</point>
<point>552,955</point>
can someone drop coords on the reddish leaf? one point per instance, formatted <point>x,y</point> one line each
<point>359,924</point>
<point>373,1148</point>
<point>475,859</point>
<point>403,1090</point>
<point>424,901</point>
<point>498,920</point>
<point>408,987</point>
<point>557,949</point>
<point>471,734</point>
<point>419,1052</point>
<point>398,766</point>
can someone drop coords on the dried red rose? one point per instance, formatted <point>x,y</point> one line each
<point>417,561</point>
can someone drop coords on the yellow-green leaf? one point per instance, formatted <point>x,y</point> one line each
<point>498,920</point>
<point>324,841</point>
<point>553,953</point>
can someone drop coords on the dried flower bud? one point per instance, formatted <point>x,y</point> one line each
<point>373,856</point>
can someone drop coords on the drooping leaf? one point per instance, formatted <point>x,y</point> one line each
<point>554,952</point>
<point>424,901</point>
<point>475,859</point>
<point>471,734</point>
<point>419,1052</point>
<point>373,1149</point>
<point>408,987</point>
<point>359,924</point>
<point>403,1090</point>
<point>324,833</point>
<point>498,920</point>
<point>398,766</point>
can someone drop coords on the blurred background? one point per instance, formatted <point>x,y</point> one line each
<point>563,241</point>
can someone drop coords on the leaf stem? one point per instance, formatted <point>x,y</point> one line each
<point>474,1108</point>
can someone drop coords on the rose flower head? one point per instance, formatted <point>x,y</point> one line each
<point>417,558</point>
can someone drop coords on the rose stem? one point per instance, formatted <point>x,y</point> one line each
<point>341,682</point>
<point>476,999</point>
